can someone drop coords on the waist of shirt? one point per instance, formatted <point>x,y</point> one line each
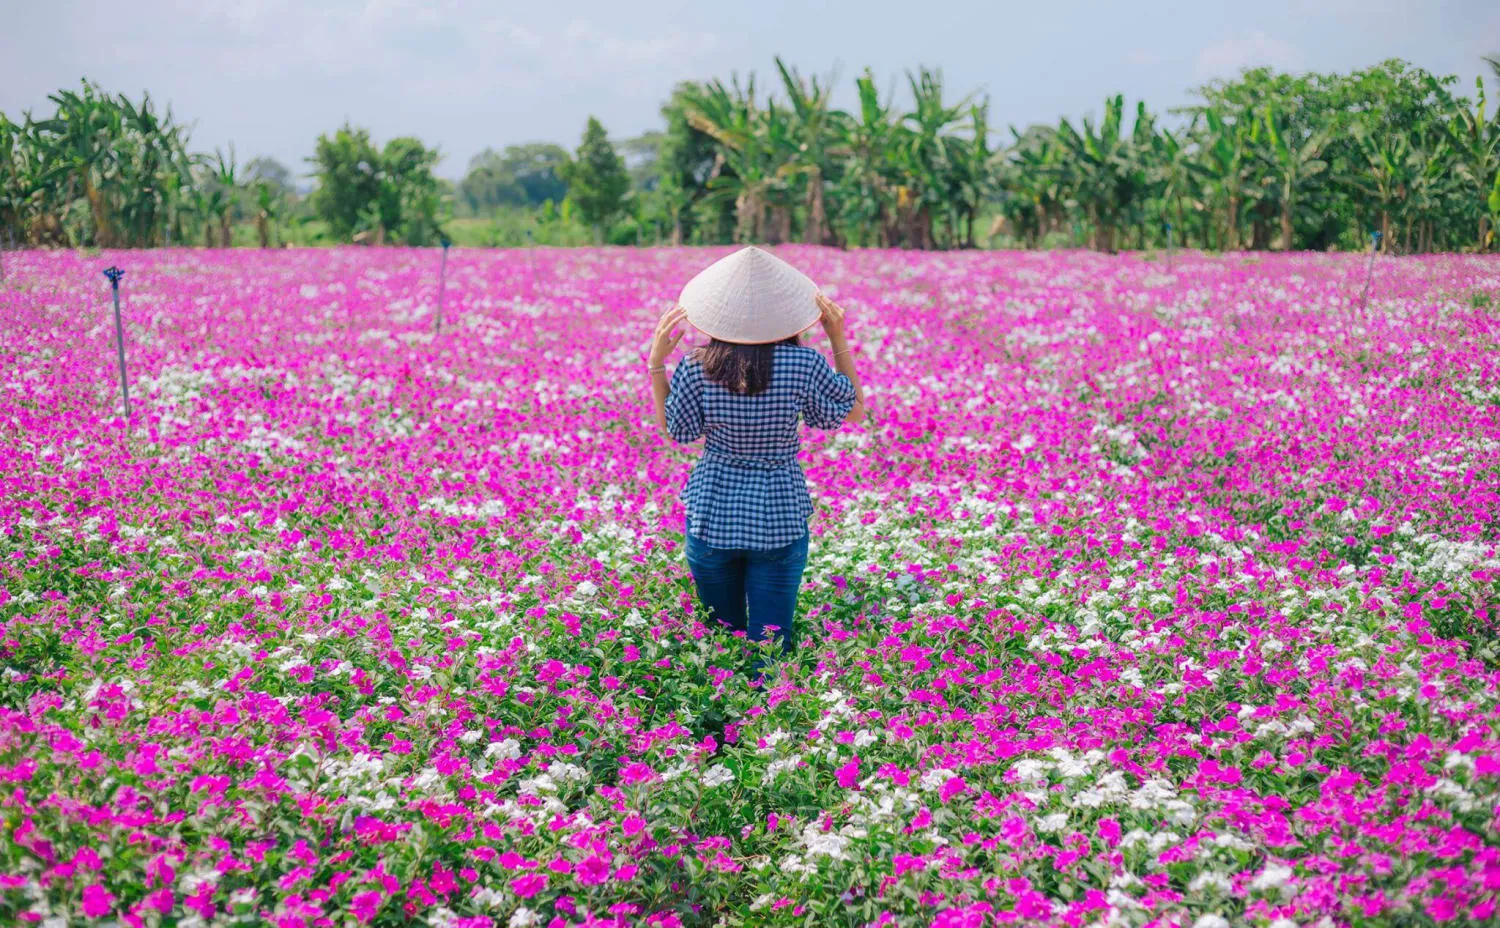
<point>752,462</point>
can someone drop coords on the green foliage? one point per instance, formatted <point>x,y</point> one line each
<point>102,170</point>
<point>347,167</point>
<point>1263,160</point>
<point>521,175</point>
<point>365,194</point>
<point>597,182</point>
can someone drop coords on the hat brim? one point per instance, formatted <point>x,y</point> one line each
<point>772,341</point>
<point>751,297</point>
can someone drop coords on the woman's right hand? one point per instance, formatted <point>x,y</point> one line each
<point>667,335</point>
<point>832,318</point>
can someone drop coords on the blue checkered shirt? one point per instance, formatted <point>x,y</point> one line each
<point>748,491</point>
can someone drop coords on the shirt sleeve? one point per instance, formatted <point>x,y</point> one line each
<point>684,408</point>
<point>830,396</point>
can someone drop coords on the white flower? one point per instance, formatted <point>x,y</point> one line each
<point>523,918</point>
<point>717,775</point>
<point>586,589</point>
<point>509,749</point>
<point>773,739</point>
<point>778,767</point>
<point>1211,921</point>
<point>936,777</point>
<point>1273,877</point>
<point>470,737</point>
<point>827,844</point>
<point>1030,769</point>
<point>1057,821</point>
<point>1283,923</point>
<point>1210,880</point>
<point>541,783</point>
<point>564,772</point>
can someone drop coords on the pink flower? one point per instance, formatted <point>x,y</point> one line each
<point>97,901</point>
<point>636,772</point>
<point>528,885</point>
<point>365,905</point>
<point>593,870</point>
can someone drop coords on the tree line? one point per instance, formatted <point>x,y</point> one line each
<point>1265,160</point>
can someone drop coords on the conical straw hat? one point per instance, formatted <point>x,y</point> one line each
<point>751,297</point>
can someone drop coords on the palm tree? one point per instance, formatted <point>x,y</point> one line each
<point>1476,142</point>
<point>1295,161</point>
<point>1102,171</point>
<point>753,144</point>
<point>811,127</point>
<point>1175,171</point>
<point>1228,166</point>
<point>864,143</point>
<point>924,154</point>
<point>83,135</point>
<point>226,194</point>
<point>1387,165</point>
<point>973,164</point>
<point>267,211</point>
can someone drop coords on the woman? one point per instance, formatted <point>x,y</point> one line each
<point>747,501</point>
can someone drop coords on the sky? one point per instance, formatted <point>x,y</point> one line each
<point>270,75</point>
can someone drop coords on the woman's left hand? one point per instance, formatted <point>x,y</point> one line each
<point>667,335</point>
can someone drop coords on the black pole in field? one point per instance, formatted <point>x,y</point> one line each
<point>1169,248</point>
<point>531,257</point>
<point>1364,299</point>
<point>114,274</point>
<point>437,321</point>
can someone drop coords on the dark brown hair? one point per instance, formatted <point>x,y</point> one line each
<point>742,369</point>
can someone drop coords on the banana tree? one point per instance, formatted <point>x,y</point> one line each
<point>1176,174</point>
<point>1494,200</point>
<point>1295,162</point>
<point>82,136</point>
<point>1028,174</point>
<point>752,148</point>
<point>1384,174</point>
<point>1101,170</point>
<point>1476,142</point>
<point>811,128</point>
<point>864,142</point>
<point>226,185</point>
<point>267,211</point>
<point>974,170</point>
<point>1226,162</point>
<point>924,152</point>
<point>1430,174</point>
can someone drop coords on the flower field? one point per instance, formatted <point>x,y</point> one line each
<point>1148,597</point>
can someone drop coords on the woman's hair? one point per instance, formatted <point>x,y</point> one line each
<point>742,369</point>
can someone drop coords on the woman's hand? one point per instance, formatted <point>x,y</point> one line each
<point>832,319</point>
<point>667,335</point>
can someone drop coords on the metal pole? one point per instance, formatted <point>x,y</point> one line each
<point>531,257</point>
<point>1364,299</point>
<point>1169,248</point>
<point>437,322</point>
<point>114,274</point>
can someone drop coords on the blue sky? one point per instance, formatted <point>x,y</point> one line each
<point>269,75</point>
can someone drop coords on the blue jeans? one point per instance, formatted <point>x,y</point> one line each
<point>750,591</point>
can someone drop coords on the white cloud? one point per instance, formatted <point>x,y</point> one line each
<point>616,50</point>
<point>1228,58</point>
